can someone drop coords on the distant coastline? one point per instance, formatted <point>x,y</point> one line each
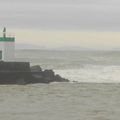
<point>21,46</point>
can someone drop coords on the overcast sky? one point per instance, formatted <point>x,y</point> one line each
<point>61,15</point>
<point>95,15</point>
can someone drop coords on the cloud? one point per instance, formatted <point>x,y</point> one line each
<point>83,15</point>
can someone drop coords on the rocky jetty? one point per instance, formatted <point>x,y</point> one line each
<point>23,73</point>
<point>45,76</point>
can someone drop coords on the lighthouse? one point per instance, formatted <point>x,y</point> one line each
<point>7,47</point>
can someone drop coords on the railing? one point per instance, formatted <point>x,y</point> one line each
<point>11,35</point>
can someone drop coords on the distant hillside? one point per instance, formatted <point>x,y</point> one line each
<point>28,46</point>
<point>62,48</point>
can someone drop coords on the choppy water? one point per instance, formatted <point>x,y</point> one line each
<point>81,66</point>
<point>95,97</point>
<point>62,101</point>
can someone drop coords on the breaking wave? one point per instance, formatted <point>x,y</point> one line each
<point>93,73</point>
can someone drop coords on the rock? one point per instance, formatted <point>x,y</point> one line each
<point>48,73</point>
<point>21,81</point>
<point>36,68</point>
<point>22,73</point>
<point>39,79</point>
<point>37,76</point>
<point>47,76</point>
<point>58,78</point>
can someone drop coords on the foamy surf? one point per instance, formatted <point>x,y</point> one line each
<point>92,73</point>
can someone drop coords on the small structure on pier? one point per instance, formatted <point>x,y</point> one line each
<point>7,47</point>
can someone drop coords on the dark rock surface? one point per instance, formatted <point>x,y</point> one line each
<point>46,76</point>
<point>22,73</point>
<point>36,68</point>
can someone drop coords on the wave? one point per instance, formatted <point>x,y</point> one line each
<point>92,73</point>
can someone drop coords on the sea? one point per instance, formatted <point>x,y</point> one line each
<point>93,92</point>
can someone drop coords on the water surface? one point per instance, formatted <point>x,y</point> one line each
<point>66,101</point>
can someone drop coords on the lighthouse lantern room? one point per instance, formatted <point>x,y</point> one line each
<point>7,47</point>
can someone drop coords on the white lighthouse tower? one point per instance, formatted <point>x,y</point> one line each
<point>7,47</point>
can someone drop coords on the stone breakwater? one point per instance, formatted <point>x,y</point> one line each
<point>23,73</point>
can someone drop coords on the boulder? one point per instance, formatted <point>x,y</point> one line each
<point>58,78</point>
<point>47,76</point>
<point>36,68</point>
<point>48,73</point>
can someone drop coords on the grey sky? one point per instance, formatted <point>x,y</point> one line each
<point>83,15</point>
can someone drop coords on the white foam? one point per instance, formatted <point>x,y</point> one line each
<point>93,73</point>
